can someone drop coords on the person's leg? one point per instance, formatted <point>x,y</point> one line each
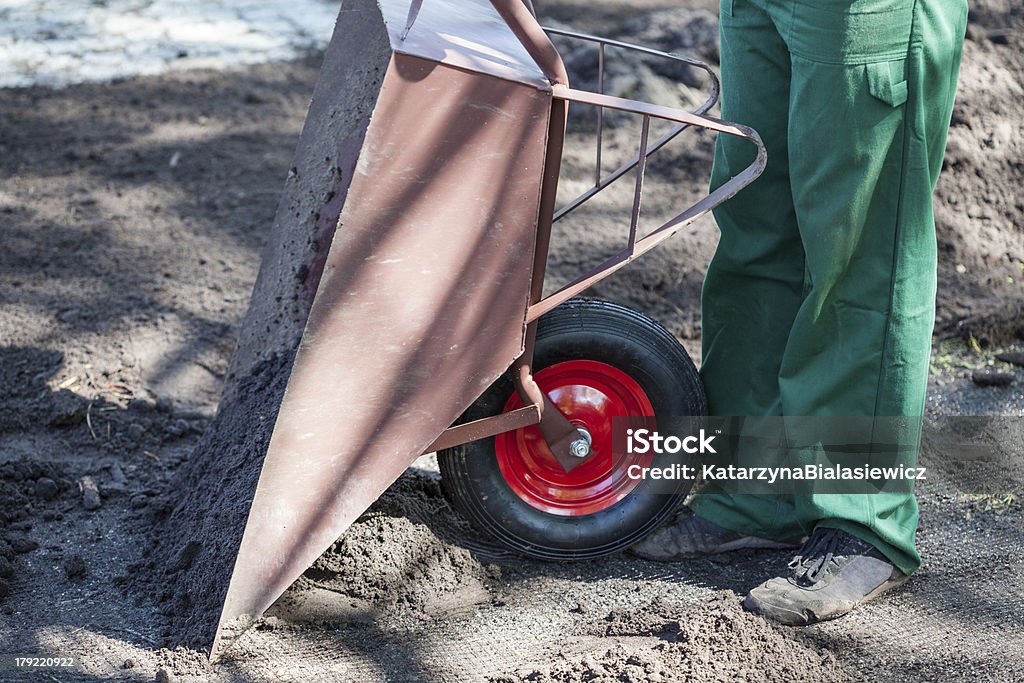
<point>755,282</point>
<point>872,95</point>
<point>871,98</point>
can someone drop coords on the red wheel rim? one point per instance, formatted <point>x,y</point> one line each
<point>589,394</point>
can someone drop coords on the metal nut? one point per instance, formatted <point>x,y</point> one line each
<point>579,448</point>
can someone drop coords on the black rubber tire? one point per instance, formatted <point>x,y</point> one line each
<point>592,330</point>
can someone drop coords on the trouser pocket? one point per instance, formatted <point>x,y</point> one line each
<point>887,81</point>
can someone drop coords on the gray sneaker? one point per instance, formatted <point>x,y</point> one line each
<point>690,536</point>
<point>833,573</point>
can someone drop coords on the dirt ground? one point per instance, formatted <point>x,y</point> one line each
<point>132,218</point>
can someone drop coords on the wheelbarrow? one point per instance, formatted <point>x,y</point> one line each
<point>431,157</point>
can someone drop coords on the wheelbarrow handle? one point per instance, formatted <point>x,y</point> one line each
<point>639,246</point>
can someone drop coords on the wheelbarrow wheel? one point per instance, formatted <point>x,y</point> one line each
<point>596,360</point>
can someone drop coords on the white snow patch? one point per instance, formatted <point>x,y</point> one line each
<point>59,42</point>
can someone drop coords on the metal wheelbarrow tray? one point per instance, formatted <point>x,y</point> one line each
<point>402,291</point>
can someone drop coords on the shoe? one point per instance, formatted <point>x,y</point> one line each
<point>690,536</point>
<point>833,573</point>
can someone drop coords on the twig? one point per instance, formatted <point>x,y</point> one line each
<point>120,389</point>
<point>88,420</point>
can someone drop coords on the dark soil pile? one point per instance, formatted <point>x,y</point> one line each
<point>188,573</point>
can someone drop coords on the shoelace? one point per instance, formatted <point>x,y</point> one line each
<point>822,551</point>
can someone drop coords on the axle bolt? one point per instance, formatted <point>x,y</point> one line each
<point>580,448</point>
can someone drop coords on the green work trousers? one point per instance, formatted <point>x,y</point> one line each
<point>820,299</point>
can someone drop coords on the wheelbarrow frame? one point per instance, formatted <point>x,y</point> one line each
<point>558,432</point>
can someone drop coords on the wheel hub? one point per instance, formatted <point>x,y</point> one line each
<point>589,394</point>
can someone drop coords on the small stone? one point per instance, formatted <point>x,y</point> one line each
<point>142,404</point>
<point>20,544</point>
<point>177,428</point>
<point>90,493</point>
<point>991,378</point>
<point>116,474</point>
<point>74,566</point>
<point>128,664</point>
<point>136,431</point>
<point>1012,357</point>
<point>268,624</point>
<point>139,501</point>
<point>46,488</point>
<point>164,676</point>
<point>68,409</point>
